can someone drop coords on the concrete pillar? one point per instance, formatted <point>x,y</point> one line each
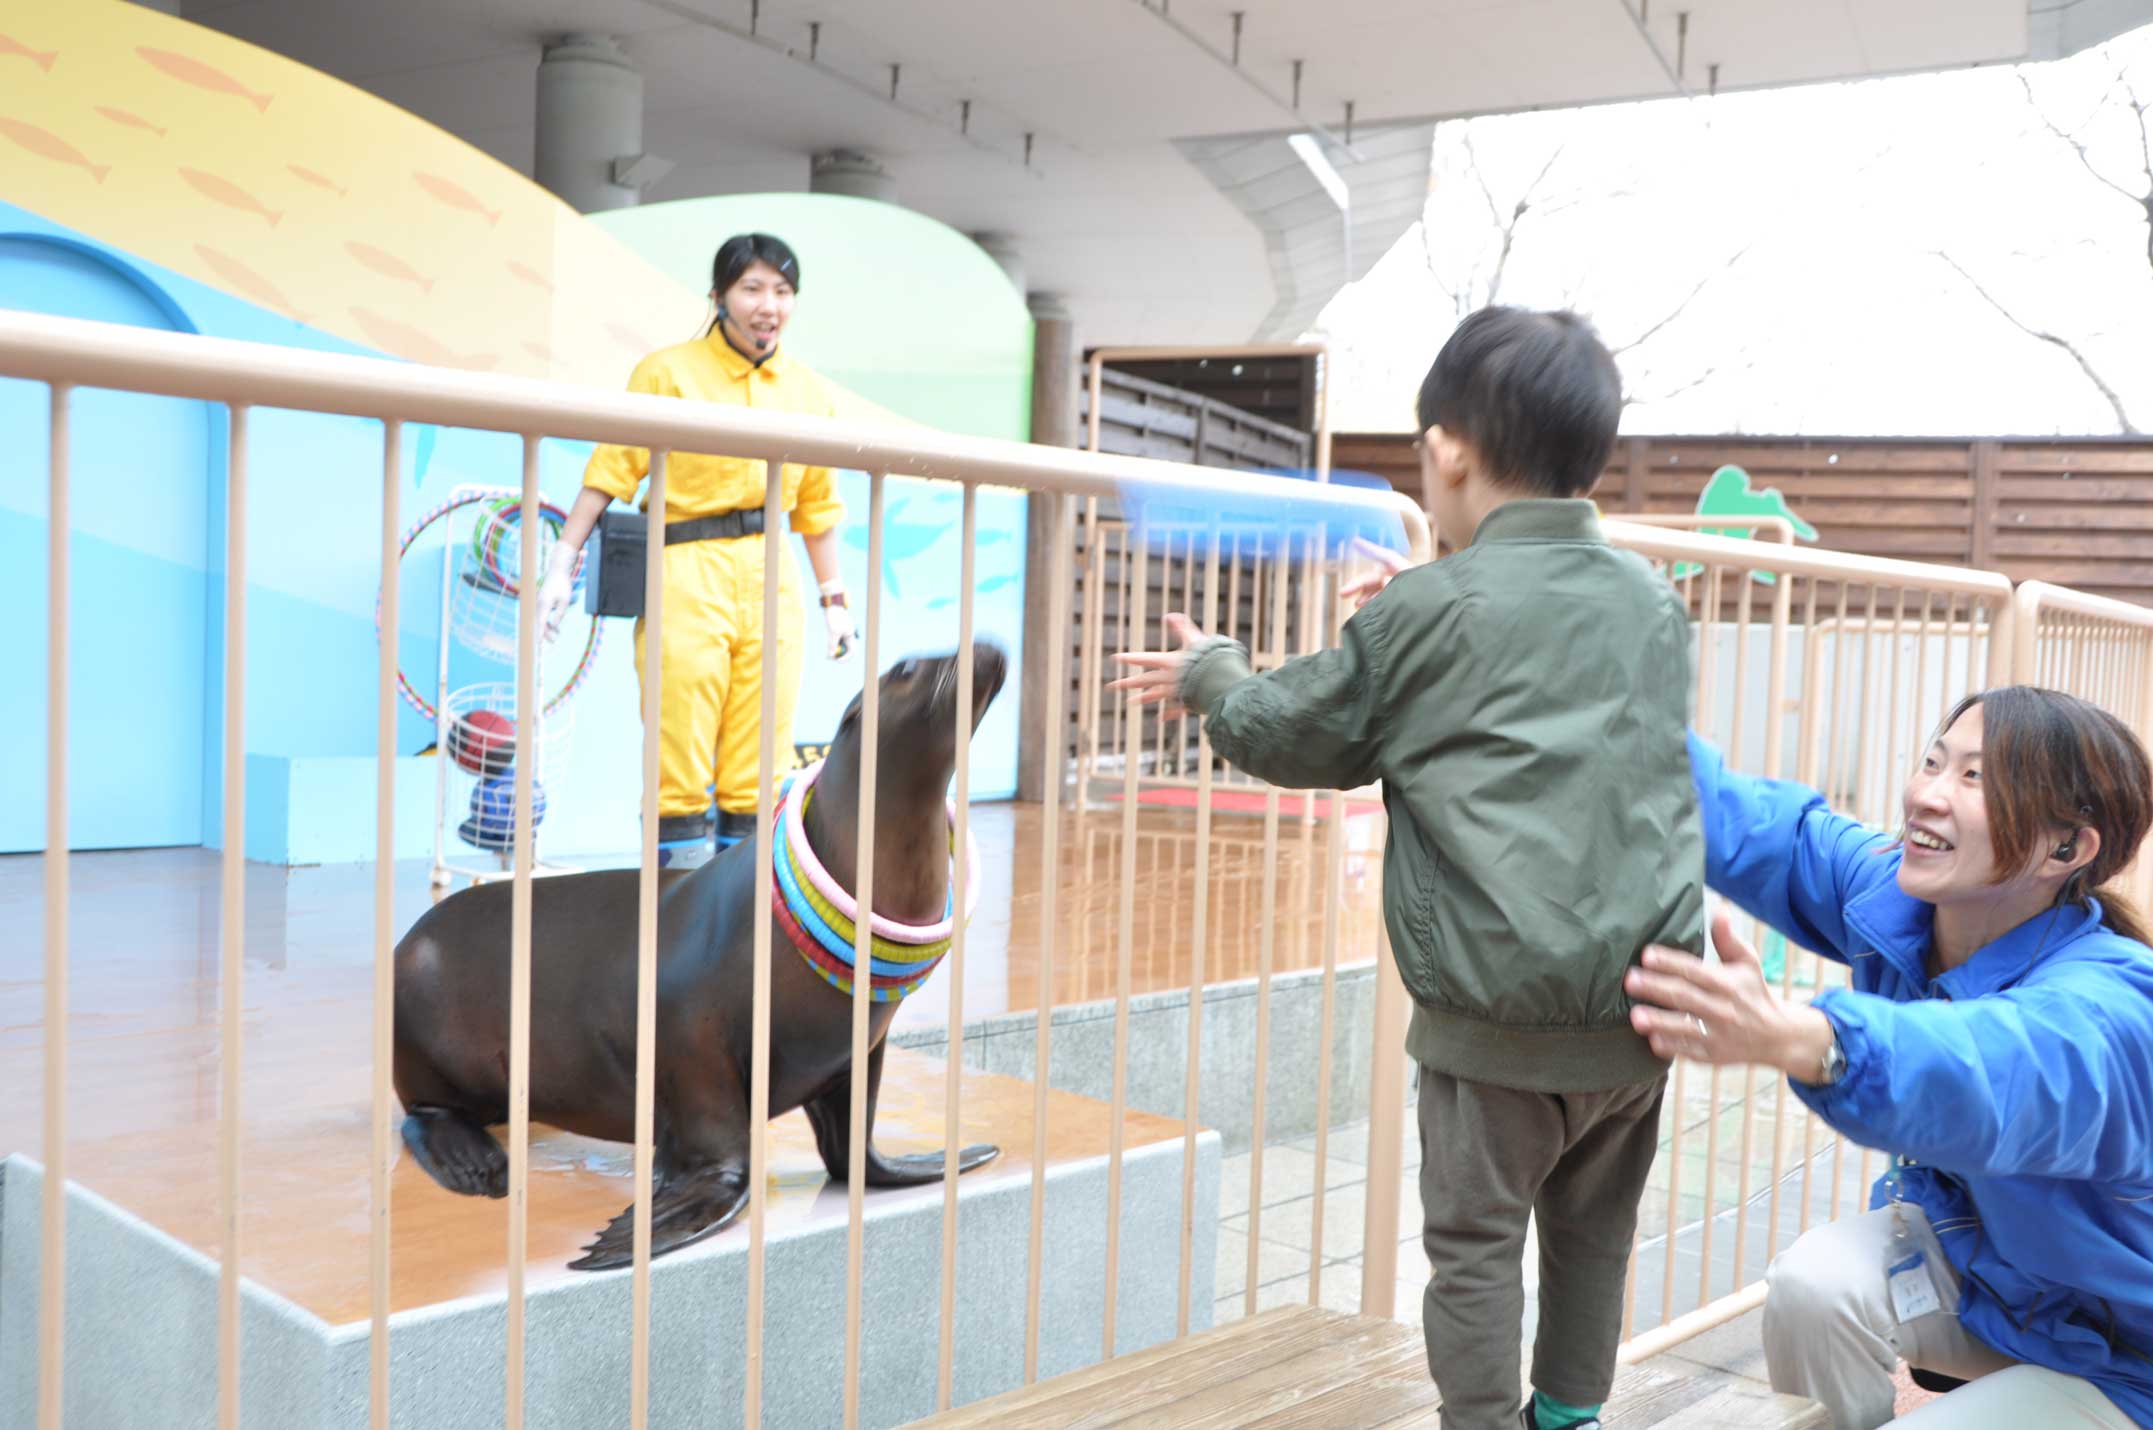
<point>851,173</point>
<point>1054,424</point>
<point>590,113</point>
<point>1002,248</point>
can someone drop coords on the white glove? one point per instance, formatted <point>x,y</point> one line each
<point>838,617</point>
<point>558,589</point>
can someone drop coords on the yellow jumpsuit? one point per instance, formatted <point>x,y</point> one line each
<point>710,696</point>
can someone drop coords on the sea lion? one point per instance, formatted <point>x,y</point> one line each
<point>452,987</point>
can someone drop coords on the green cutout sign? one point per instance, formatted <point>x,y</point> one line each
<point>1729,494</point>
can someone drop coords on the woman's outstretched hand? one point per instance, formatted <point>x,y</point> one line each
<point>1724,1013</point>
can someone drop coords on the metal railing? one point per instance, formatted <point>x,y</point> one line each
<point>68,354</point>
<point>1847,663</point>
<point>2100,649</point>
<point>1838,665</point>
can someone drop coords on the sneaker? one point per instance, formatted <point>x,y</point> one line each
<point>733,828</point>
<point>1530,1421</point>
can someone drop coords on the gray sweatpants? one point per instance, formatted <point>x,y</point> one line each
<point>1490,1157</point>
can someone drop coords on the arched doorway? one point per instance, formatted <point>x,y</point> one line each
<point>140,600</point>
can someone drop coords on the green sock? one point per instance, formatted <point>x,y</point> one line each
<point>1551,1414</point>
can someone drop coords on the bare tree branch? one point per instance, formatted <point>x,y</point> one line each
<point>2145,134</point>
<point>2055,340</point>
<point>1688,298</point>
<point>1707,375</point>
<point>2145,156</point>
<point>1506,228</point>
<point>2077,146</point>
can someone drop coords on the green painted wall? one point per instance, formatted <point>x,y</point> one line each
<point>904,311</point>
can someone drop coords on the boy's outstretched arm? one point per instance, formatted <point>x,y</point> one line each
<point>1310,724</point>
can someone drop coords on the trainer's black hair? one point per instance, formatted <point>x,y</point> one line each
<point>1537,395</point>
<point>743,251</point>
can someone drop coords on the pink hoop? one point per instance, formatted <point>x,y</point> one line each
<point>410,692</point>
<point>895,932</point>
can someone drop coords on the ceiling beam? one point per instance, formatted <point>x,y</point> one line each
<point>884,97</point>
<point>1158,11</point>
<point>1637,18</point>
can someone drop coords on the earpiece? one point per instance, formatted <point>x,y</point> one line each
<point>2066,849</point>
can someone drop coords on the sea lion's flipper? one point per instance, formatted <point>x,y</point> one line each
<point>830,1114</point>
<point>457,1151</point>
<point>688,1207</point>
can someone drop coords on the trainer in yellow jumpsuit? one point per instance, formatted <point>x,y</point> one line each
<point>710,701</point>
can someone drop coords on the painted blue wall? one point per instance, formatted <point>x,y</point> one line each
<point>148,510</point>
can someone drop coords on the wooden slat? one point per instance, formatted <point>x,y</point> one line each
<point>2135,458</point>
<point>1299,1368</point>
<point>1143,1381</point>
<point>2118,490</point>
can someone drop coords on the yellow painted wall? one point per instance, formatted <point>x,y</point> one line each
<point>278,184</point>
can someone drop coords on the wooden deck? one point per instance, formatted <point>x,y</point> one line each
<point>1298,1368</point>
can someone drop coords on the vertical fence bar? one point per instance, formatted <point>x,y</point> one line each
<point>1775,687</point>
<point>1334,896</point>
<point>1049,880</point>
<point>960,872</point>
<point>1737,707</point>
<point>1189,603</point>
<point>1916,721</point>
<point>774,554</point>
<point>382,1111</point>
<point>863,927</point>
<point>1129,719</point>
<point>1774,754</point>
<point>1266,952</point>
<point>1089,654</point>
<point>1864,808</point>
<point>1386,1128</point>
<point>1707,664</point>
<point>1091,700</point>
<point>1386,1083</point>
<point>1809,1120</point>
<point>1137,550</point>
<point>52,1208</point>
<point>1199,948</point>
<point>232,913</point>
<point>646,958</point>
<point>519,979</point>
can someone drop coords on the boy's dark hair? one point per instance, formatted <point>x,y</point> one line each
<point>1536,394</point>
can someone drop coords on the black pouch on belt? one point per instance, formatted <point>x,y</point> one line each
<point>613,571</point>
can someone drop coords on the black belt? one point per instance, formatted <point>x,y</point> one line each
<point>725,526</point>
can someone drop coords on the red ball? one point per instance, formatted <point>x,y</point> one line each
<point>483,742</point>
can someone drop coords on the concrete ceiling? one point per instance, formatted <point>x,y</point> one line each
<point>1162,198</point>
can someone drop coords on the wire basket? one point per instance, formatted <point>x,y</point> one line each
<point>478,785</point>
<point>483,577</point>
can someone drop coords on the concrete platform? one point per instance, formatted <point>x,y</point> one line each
<point>142,1277</point>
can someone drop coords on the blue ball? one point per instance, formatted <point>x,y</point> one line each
<point>492,824</point>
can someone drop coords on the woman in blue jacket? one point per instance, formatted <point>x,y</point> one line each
<point>1998,1039</point>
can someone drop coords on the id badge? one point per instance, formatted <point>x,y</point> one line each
<point>1913,1288</point>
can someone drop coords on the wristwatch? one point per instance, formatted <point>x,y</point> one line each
<point>834,598</point>
<point>1832,1066</point>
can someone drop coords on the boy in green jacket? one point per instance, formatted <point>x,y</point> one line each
<point>1525,703</point>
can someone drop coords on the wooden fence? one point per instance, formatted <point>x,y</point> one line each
<point>2076,512</point>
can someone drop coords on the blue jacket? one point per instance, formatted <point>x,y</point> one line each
<point>2019,1084</point>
